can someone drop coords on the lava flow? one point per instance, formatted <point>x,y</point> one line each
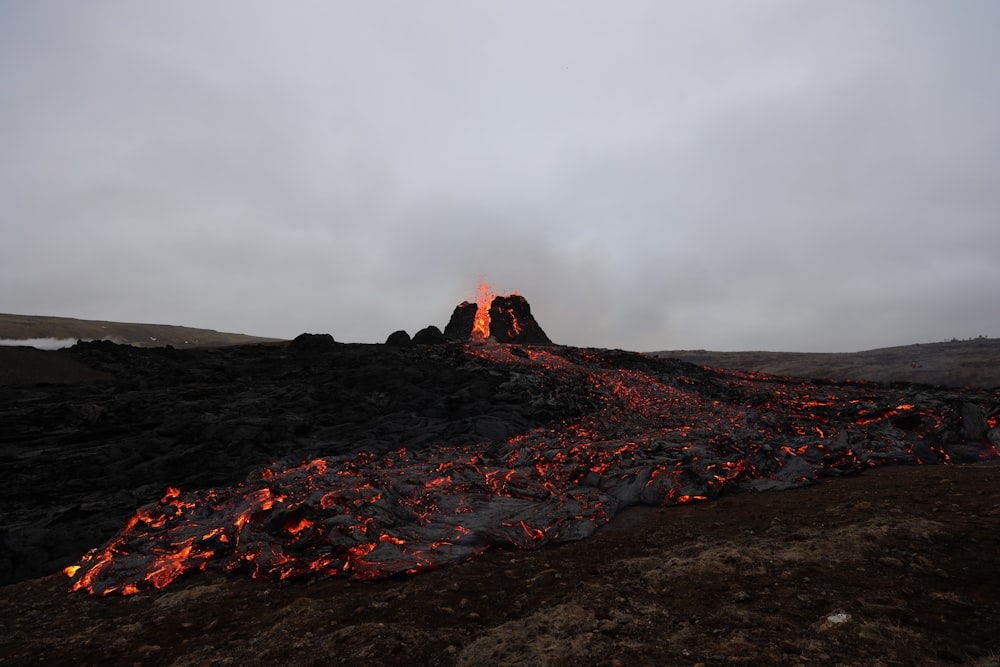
<point>642,431</point>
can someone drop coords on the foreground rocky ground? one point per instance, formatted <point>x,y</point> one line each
<point>896,566</point>
<point>893,566</point>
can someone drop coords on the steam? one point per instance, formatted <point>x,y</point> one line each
<point>40,343</point>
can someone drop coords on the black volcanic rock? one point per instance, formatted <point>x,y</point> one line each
<point>511,321</point>
<point>308,344</point>
<point>80,458</point>
<point>399,339</point>
<point>651,432</point>
<point>429,336</point>
<point>460,325</point>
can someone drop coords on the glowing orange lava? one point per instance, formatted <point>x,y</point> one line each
<point>481,325</point>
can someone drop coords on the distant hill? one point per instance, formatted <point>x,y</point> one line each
<point>39,328</point>
<point>975,363</point>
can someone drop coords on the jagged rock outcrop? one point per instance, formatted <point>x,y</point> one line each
<point>460,325</point>
<point>511,321</point>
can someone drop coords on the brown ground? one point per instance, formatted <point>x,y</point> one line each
<point>897,566</point>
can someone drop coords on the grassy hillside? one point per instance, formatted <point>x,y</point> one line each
<point>21,327</point>
<point>974,363</point>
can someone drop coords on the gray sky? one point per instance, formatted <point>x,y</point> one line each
<point>767,174</point>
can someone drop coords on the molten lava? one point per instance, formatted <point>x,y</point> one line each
<point>643,431</point>
<point>481,325</point>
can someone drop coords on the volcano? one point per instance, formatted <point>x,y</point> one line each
<point>436,454</point>
<point>502,319</point>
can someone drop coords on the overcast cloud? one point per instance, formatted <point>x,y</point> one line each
<point>769,174</point>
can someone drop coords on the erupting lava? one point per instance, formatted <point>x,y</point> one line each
<point>644,430</point>
<point>500,319</point>
<point>481,324</point>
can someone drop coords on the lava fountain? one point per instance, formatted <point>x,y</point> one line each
<point>481,322</point>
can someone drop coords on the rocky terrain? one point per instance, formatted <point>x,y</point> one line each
<point>895,565</point>
<point>974,362</point>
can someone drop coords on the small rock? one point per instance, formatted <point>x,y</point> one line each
<point>833,621</point>
<point>398,339</point>
<point>429,336</point>
<point>312,344</point>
